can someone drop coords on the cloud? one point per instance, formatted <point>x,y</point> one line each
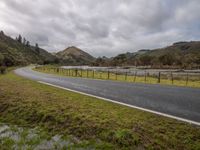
<point>101,27</point>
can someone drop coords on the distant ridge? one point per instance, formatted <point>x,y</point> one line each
<point>178,55</point>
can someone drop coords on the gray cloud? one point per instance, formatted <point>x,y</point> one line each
<point>101,27</point>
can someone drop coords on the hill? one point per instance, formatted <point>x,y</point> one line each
<point>14,53</point>
<point>74,56</point>
<point>177,55</point>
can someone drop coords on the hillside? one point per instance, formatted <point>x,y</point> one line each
<point>74,56</point>
<point>178,55</point>
<point>14,53</point>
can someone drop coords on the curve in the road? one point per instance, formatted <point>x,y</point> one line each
<point>181,103</point>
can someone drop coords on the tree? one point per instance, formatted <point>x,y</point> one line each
<point>19,39</point>
<point>1,59</point>
<point>167,59</point>
<point>27,43</point>
<point>56,61</point>
<point>2,69</point>
<point>99,61</point>
<point>8,61</point>
<point>37,49</point>
<point>146,60</point>
<point>24,41</point>
<point>2,33</point>
<point>121,59</point>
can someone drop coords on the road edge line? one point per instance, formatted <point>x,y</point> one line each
<point>124,104</point>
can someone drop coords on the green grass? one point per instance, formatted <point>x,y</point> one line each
<point>102,124</point>
<point>14,137</point>
<point>177,80</point>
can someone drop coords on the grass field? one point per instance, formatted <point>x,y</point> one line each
<point>190,81</point>
<point>93,122</point>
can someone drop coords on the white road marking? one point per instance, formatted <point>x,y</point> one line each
<point>132,106</point>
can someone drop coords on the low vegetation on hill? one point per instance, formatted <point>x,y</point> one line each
<point>178,55</point>
<point>15,52</point>
<point>20,52</point>
<point>74,56</point>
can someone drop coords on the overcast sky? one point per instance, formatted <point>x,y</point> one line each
<point>102,27</point>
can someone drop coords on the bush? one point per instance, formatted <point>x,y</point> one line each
<point>2,69</point>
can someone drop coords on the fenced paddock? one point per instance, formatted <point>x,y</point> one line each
<point>169,77</point>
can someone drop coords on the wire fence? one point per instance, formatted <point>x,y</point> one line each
<point>145,76</point>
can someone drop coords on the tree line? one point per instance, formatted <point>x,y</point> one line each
<point>25,42</point>
<point>163,61</point>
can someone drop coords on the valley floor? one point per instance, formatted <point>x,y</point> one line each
<point>92,122</point>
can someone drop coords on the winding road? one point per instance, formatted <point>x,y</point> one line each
<point>182,103</point>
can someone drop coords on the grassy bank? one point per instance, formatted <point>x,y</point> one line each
<point>170,79</point>
<point>24,138</point>
<point>103,124</point>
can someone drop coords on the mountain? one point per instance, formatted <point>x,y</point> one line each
<point>14,53</point>
<point>177,55</point>
<point>74,56</point>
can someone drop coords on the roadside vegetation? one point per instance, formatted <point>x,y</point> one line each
<point>2,69</point>
<point>102,124</point>
<point>161,78</point>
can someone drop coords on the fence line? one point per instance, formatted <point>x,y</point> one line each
<point>185,77</point>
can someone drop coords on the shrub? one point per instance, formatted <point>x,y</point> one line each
<point>2,69</point>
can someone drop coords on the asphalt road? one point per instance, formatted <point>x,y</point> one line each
<point>181,102</point>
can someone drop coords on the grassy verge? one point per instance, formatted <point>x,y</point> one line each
<point>14,137</point>
<point>178,81</point>
<point>103,124</point>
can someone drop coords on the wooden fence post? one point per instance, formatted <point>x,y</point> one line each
<point>187,78</point>
<point>158,77</point>
<point>92,73</point>
<point>87,73</point>
<point>76,72</point>
<point>135,76</point>
<point>172,78</point>
<point>108,74</point>
<point>81,72</point>
<point>145,76</point>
